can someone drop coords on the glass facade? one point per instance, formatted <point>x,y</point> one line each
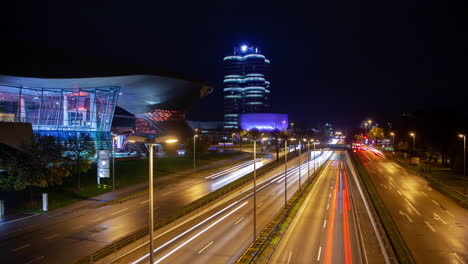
<point>246,85</point>
<point>62,112</point>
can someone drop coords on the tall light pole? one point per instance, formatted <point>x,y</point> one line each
<point>464,162</point>
<point>285,172</point>
<point>414,141</point>
<point>300,146</point>
<point>255,191</point>
<point>113,164</point>
<point>150,144</point>
<point>393,139</point>
<point>194,150</point>
<point>308,158</point>
<point>313,142</point>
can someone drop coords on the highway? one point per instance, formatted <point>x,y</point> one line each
<point>64,235</point>
<point>222,234</point>
<point>433,226</point>
<point>325,229</point>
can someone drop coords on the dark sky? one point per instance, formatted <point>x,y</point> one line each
<point>331,61</point>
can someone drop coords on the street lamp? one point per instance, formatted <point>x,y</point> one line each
<point>113,164</point>
<point>464,161</point>
<point>285,172</point>
<point>194,149</point>
<point>150,144</point>
<point>414,140</point>
<point>308,158</point>
<point>255,191</point>
<point>300,146</point>
<point>393,139</point>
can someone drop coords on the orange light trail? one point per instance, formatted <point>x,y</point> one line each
<point>346,207</point>
<point>331,219</point>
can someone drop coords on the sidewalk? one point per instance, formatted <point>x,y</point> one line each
<point>159,182</point>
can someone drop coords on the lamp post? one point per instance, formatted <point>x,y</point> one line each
<point>285,172</point>
<point>113,164</point>
<point>414,141</point>
<point>255,191</point>
<point>194,149</point>
<point>464,161</point>
<point>150,144</point>
<point>313,143</point>
<point>308,158</point>
<point>393,139</point>
<point>300,146</point>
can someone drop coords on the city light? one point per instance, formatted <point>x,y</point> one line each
<point>244,48</point>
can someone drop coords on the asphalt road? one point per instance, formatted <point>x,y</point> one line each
<point>64,235</point>
<point>324,229</point>
<point>222,234</point>
<point>433,226</point>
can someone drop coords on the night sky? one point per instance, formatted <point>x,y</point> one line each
<point>331,61</point>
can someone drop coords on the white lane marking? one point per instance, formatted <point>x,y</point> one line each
<point>324,223</point>
<point>383,185</point>
<point>438,218</point>
<point>399,193</point>
<point>289,258</point>
<point>407,216</point>
<point>195,236</point>
<point>435,202</point>
<point>240,219</point>
<point>380,171</point>
<point>167,193</point>
<point>428,188</point>
<point>449,213</point>
<point>19,219</point>
<point>413,207</point>
<point>19,248</point>
<point>120,211</point>
<point>273,194</point>
<point>458,258</point>
<point>34,260</point>
<point>259,204</point>
<point>76,227</point>
<point>329,195</point>
<point>328,206</point>
<point>424,194</point>
<point>320,251</point>
<point>95,220</point>
<point>49,237</point>
<point>391,183</point>
<point>429,225</point>
<point>144,202</point>
<point>199,252</point>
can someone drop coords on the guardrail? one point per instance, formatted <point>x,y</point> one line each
<point>399,246</point>
<point>142,232</point>
<point>258,251</point>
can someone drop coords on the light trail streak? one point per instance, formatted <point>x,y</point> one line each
<point>331,219</point>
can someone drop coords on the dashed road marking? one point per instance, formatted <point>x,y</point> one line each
<point>318,255</point>
<point>289,258</point>
<point>259,204</point>
<point>324,223</point>
<point>240,219</point>
<point>429,225</point>
<point>438,218</point>
<point>49,237</point>
<point>407,216</point>
<point>199,252</point>
<point>95,220</point>
<point>144,202</point>
<point>34,260</point>
<point>19,248</point>
<point>119,211</point>
<point>413,207</point>
<point>435,202</point>
<point>76,227</point>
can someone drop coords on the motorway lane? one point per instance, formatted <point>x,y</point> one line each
<point>324,229</point>
<point>433,226</point>
<point>64,236</point>
<point>221,235</point>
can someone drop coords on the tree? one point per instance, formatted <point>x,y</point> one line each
<point>80,151</point>
<point>376,133</point>
<point>276,135</point>
<point>242,134</point>
<point>40,164</point>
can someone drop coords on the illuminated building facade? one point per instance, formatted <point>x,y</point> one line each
<point>246,85</point>
<point>76,107</point>
<point>264,121</point>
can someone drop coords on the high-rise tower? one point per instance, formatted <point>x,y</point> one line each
<point>246,85</point>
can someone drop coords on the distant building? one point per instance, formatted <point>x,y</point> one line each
<point>246,85</point>
<point>328,129</point>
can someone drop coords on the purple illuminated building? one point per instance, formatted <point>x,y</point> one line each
<point>264,121</point>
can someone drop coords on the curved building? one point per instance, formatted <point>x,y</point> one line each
<point>246,85</point>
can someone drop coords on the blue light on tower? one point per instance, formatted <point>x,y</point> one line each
<point>244,48</point>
